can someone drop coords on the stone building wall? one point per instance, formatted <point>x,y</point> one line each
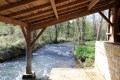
<point>107,60</point>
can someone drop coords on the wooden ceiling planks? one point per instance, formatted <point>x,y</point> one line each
<point>66,17</point>
<point>16,4</point>
<point>59,8</point>
<point>33,8</point>
<point>60,11</point>
<point>40,13</point>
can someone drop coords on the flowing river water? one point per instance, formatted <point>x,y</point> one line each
<point>48,57</point>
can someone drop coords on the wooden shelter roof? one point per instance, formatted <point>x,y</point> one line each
<point>38,14</point>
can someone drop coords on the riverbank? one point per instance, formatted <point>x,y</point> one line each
<point>85,54</point>
<point>11,51</point>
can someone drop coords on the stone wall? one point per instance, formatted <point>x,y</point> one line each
<point>107,60</point>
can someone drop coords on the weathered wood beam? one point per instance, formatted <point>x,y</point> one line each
<point>13,5</point>
<point>33,8</point>
<point>24,33</point>
<point>65,10</point>
<point>38,35</point>
<point>66,17</point>
<point>119,12</point>
<point>54,8</point>
<point>92,4</point>
<point>50,10</point>
<point>106,19</point>
<point>12,21</point>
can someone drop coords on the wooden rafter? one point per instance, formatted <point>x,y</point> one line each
<point>12,21</point>
<point>13,5</point>
<point>38,35</point>
<point>65,10</point>
<point>66,17</point>
<point>107,20</point>
<point>54,8</point>
<point>92,4</point>
<point>33,8</point>
<point>80,2</point>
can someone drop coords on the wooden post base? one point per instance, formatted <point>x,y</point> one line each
<point>29,76</point>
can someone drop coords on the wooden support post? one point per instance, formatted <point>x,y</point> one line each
<point>29,74</point>
<point>116,21</point>
<point>28,53</point>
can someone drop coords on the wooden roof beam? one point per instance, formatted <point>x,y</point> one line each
<point>16,4</point>
<point>66,17</point>
<point>54,8</point>
<point>92,4</point>
<point>106,19</point>
<point>12,21</point>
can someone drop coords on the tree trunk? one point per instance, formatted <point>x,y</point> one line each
<point>99,29</point>
<point>83,30</point>
<point>94,27</point>
<point>78,33</point>
<point>56,33</point>
<point>34,34</point>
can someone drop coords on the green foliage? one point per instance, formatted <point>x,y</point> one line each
<point>86,51</point>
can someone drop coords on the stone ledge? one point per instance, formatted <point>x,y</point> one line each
<point>29,76</point>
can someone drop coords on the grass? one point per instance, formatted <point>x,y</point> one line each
<point>86,53</point>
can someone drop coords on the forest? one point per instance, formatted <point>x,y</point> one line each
<point>81,30</point>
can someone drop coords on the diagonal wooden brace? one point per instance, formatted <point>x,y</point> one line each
<point>24,33</point>
<point>106,19</point>
<point>38,35</point>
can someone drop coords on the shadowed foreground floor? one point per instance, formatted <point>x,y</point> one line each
<point>74,74</point>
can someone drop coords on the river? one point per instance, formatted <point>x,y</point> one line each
<point>44,59</point>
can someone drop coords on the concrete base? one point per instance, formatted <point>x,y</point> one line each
<point>29,76</point>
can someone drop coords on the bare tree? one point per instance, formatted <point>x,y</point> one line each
<point>78,31</point>
<point>94,26</point>
<point>67,29</point>
<point>56,33</point>
<point>83,30</point>
<point>99,29</point>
